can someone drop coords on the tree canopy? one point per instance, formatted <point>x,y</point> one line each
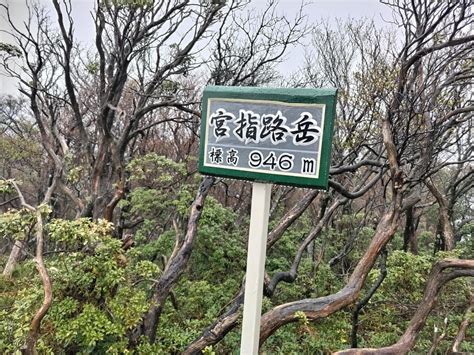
<point>112,242</point>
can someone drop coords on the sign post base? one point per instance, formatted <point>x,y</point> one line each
<point>256,254</point>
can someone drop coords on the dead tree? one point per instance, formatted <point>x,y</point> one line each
<point>423,23</point>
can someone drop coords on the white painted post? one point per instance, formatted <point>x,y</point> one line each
<point>256,253</point>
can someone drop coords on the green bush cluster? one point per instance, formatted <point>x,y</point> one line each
<point>101,290</point>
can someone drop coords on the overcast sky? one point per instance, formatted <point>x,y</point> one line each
<point>317,10</point>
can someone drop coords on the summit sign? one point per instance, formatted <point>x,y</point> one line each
<point>272,135</point>
<point>267,136</point>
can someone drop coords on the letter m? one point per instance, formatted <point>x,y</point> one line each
<point>308,165</point>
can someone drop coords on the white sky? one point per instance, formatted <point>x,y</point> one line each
<point>317,10</point>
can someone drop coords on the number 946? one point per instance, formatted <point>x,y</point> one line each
<point>283,162</point>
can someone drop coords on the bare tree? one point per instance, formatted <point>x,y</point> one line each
<point>353,176</point>
<point>107,102</point>
<point>403,120</point>
<point>435,34</point>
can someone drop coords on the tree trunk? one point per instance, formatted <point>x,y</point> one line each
<point>13,258</point>
<point>35,325</point>
<point>409,235</point>
<point>324,306</point>
<point>175,266</point>
<point>437,279</point>
<point>363,302</point>
<point>455,347</point>
<point>446,228</point>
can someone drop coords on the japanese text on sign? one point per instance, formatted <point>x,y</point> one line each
<point>264,136</point>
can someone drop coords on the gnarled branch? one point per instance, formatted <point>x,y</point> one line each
<point>442,272</point>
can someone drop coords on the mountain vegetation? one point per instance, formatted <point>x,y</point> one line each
<point>112,242</point>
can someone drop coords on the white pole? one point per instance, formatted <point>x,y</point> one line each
<point>255,268</point>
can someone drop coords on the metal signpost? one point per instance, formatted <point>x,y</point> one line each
<point>265,135</point>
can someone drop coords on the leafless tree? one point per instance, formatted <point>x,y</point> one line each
<point>436,38</point>
<point>93,110</point>
<point>404,115</point>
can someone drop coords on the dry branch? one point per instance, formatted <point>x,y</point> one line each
<point>228,320</point>
<point>324,306</point>
<point>175,266</point>
<point>463,326</point>
<point>442,272</point>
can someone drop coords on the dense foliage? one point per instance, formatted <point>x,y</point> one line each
<point>100,289</point>
<point>111,242</point>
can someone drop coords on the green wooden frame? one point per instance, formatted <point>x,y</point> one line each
<point>325,97</point>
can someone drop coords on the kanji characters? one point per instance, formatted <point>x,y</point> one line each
<point>215,155</point>
<point>251,127</point>
<point>306,130</point>
<point>273,126</point>
<point>232,157</point>
<point>219,121</point>
<point>248,126</point>
<point>277,139</point>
